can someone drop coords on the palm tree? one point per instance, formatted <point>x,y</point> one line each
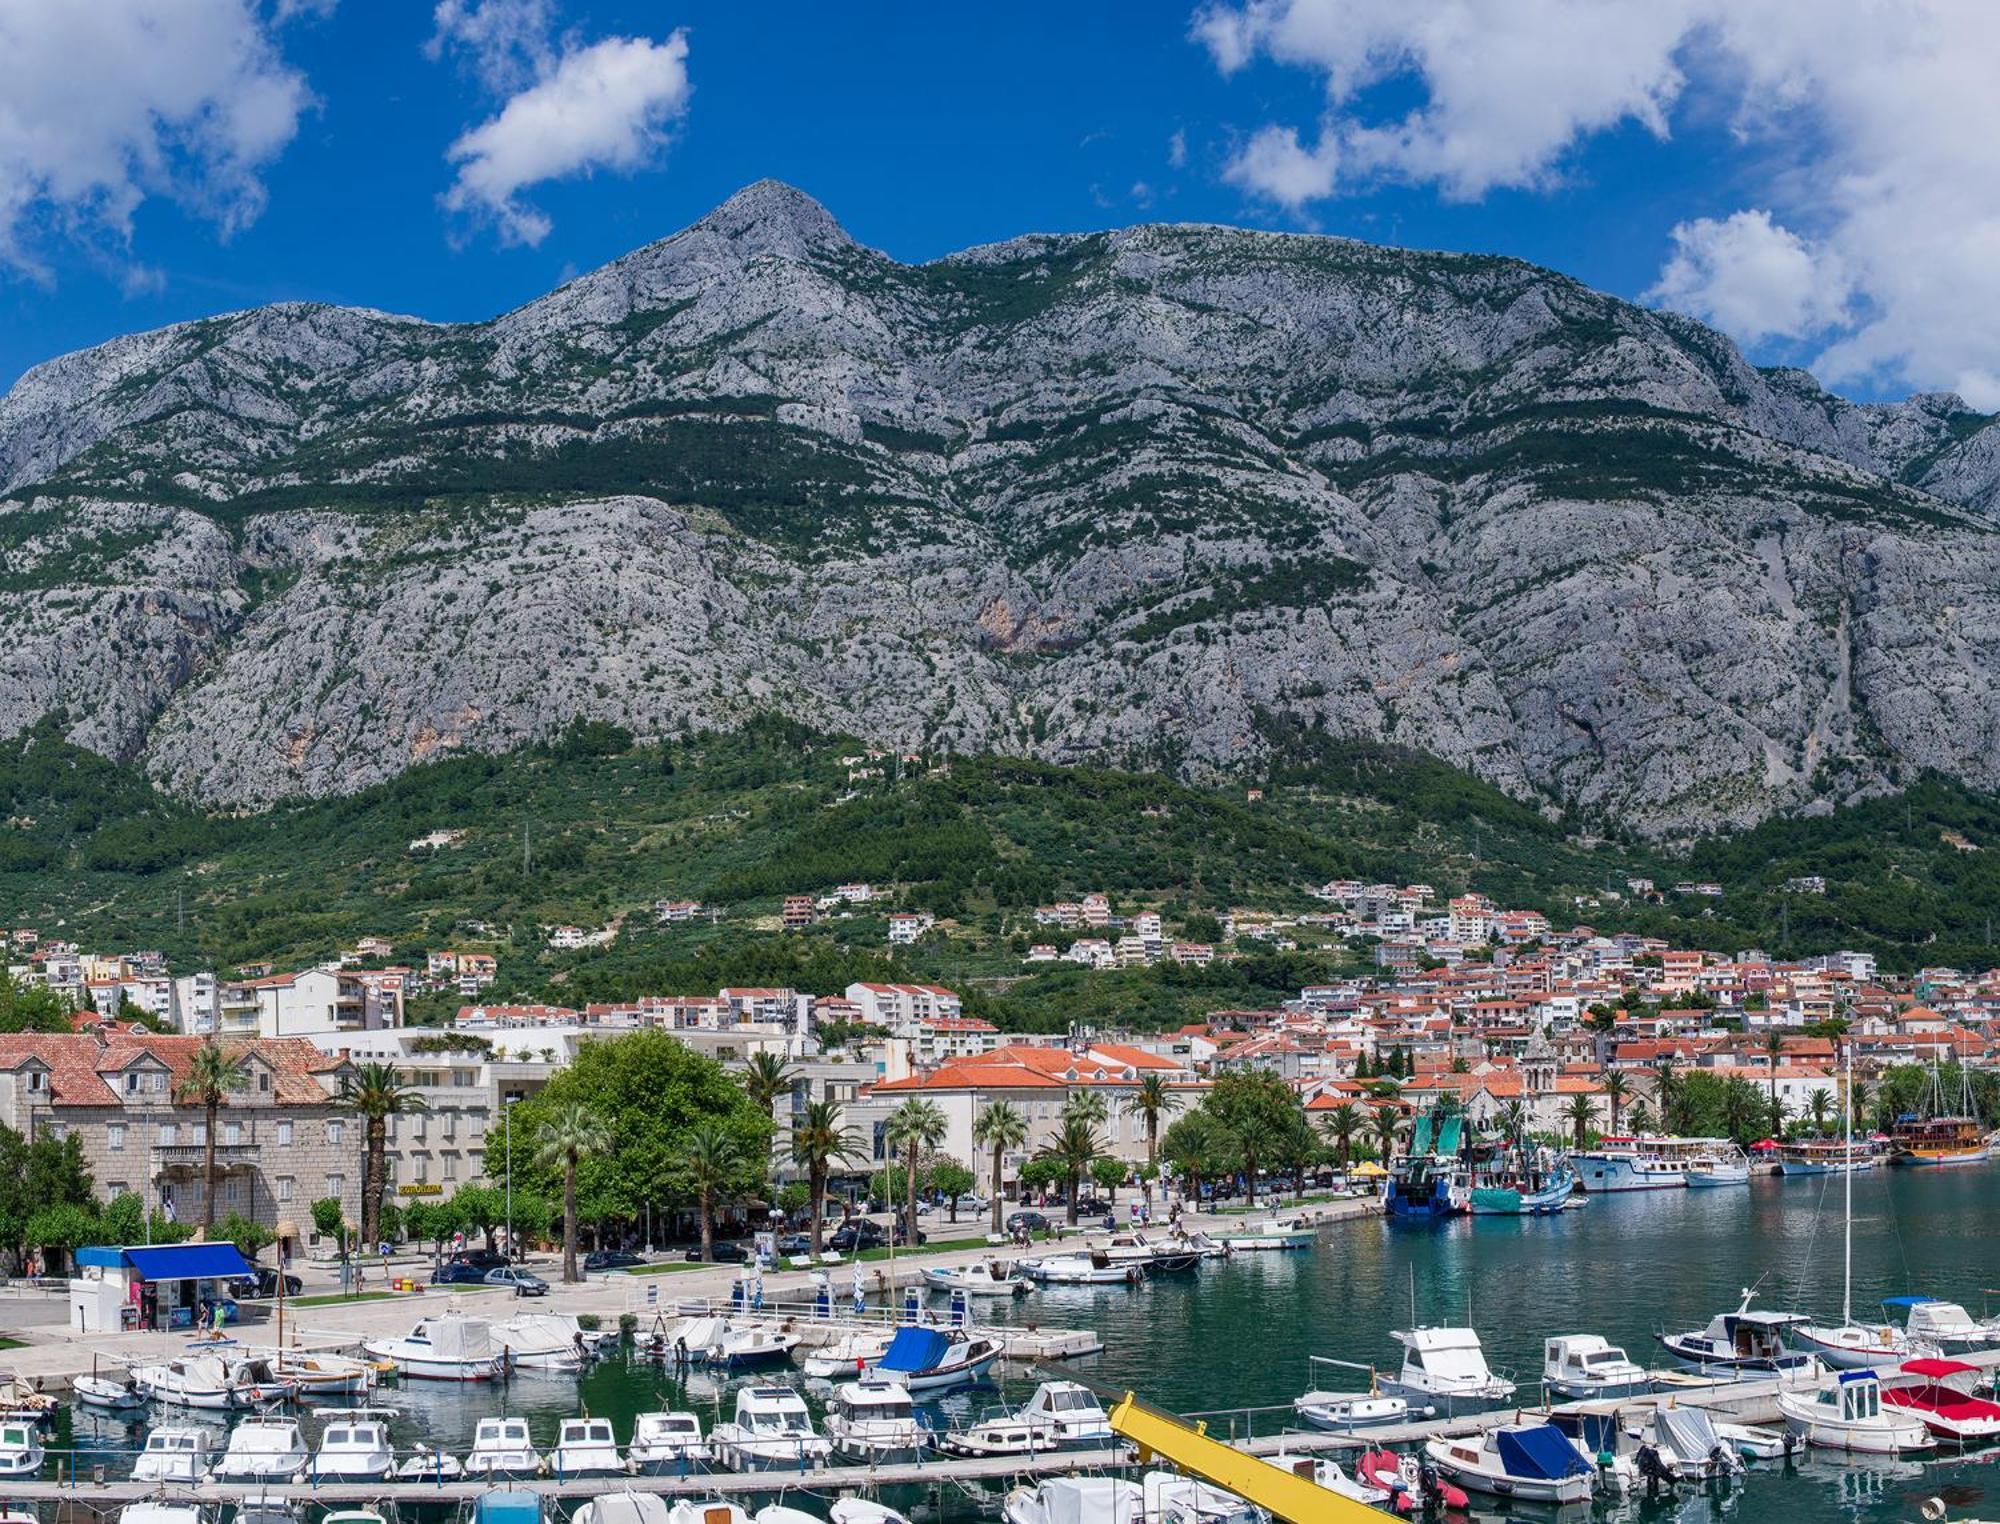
<point>1513,1118</point>
<point>1088,1105</point>
<point>376,1092</point>
<point>211,1075</point>
<point>914,1126</point>
<point>1642,1118</point>
<point>1774,1047</point>
<point>713,1157</point>
<point>999,1127</point>
<point>1385,1126</point>
<point>1819,1105</point>
<point>1616,1087</point>
<point>567,1136</point>
<point>1152,1100</point>
<point>1340,1125</point>
<point>1667,1093</point>
<point>1579,1114</point>
<point>1073,1147</point>
<point>818,1142</point>
<point>765,1078</point>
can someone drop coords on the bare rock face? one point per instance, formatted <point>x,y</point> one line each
<point>1164,496</point>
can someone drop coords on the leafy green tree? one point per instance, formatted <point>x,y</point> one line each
<point>1200,1149</point>
<point>1340,1125</point>
<point>248,1235</point>
<point>375,1093</point>
<point>819,1142</point>
<point>1041,1174</point>
<point>212,1077</point>
<point>58,1230</point>
<point>915,1127</point>
<point>31,1007</point>
<point>951,1180</point>
<point>562,1142</point>
<point>1107,1174</point>
<point>429,1221</point>
<point>1152,1100</point>
<point>328,1216</point>
<point>714,1163</point>
<point>1257,1110</point>
<point>1001,1128</point>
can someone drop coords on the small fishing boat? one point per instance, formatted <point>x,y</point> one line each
<point>1200,1245</point>
<point>1845,1412</point>
<point>990,1277</point>
<point>1076,1500</point>
<point>697,1511</point>
<point>21,1452</point>
<point>1945,1324</point>
<point>1278,1233</point>
<point>1091,1267</point>
<point>501,1448</point>
<point>1531,1462</point>
<point>264,1450</point>
<point>318,1376</point>
<point>447,1347</point>
<point>1941,1396</point>
<point>625,1508</point>
<point>1341,1412</point>
<point>258,1378</point>
<point>586,1447</point>
<point>543,1341</point>
<point>1686,1442</point>
<point>1446,1367</point>
<point>874,1422</point>
<point>174,1453</point>
<point>667,1444</point>
<point>849,1355</point>
<point>1584,1366</point>
<point>107,1394</point>
<point>1390,1495</point>
<point>354,1446</point>
<point>1522,1191</point>
<point>772,1431</point>
<point>854,1510</point>
<point>752,1347</point>
<point>927,1361</point>
<point>197,1381</point>
<point>430,1464</point>
<point>1743,1340</point>
<point>1724,1165</point>
<point>1061,1415</point>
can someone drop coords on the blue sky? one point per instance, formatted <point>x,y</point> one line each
<point>925,128</point>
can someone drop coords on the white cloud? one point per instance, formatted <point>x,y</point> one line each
<point>1177,149</point>
<point>1868,133</point>
<point>1749,276</point>
<point>105,104</point>
<point>508,44</point>
<point>606,106</point>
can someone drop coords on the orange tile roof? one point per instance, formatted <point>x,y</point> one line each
<point>77,1064</point>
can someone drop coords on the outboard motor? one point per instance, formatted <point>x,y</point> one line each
<point>1653,1470</point>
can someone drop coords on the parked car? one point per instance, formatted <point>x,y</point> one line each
<point>725,1253</point>
<point>522,1282</point>
<point>902,1237</point>
<point>482,1259</point>
<point>263,1284</point>
<point>859,1234</point>
<point>795,1243</point>
<point>612,1259</point>
<point>459,1273</point>
<point>1034,1222</point>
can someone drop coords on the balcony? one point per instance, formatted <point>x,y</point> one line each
<point>194,1155</point>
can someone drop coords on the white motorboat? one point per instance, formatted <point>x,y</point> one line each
<point>264,1450</point>
<point>780,1513</point>
<point>1446,1368</point>
<point>1381,1479</point>
<point>446,1347</point>
<point>1278,1233</point>
<point>266,1508</point>
<point>430,1464</point>
<point>1584,1366</point>
<point>1947,1325</point>
<point>586,1447</point>
<point>632,1508</point>
<point>1167,1497</point>
<point>1723,1165</point>
<point>856,1510</point>
<point>1852,1346</point>
<point>932,1360</point>
<point>542,1341</point>
<point>259,1380</point>
<point>1531,1462</point>
<point>989,1277</point>
<point>772,1431</point>
<point>1743,1340</point>
<point>1061,1415</point>
<point>873,1421</point>
<point>1089,1267</point>
<point>501,1448</point>
<point>1076,1500</point>
<point>161,1511</point>
<point>849,1355</point>
<point>108,1395</point>
<point>667,1444</point>
<point>174,1453</point>
<point>752,1346</point>
<point>1845,1412</point>
<point>1941,1394</point>
<point>21,1452</point>
<point>696,1511</point>
<point>354,1446</point>
<point>196,1381</point>
<point>318,1375</point>
<point>1340,1412</point>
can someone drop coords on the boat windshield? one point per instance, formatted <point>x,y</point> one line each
<point>1605,1357</point>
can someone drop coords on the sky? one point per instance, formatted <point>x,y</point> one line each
<point>1819,178</point>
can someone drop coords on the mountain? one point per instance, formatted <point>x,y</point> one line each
<point>1185,497</point>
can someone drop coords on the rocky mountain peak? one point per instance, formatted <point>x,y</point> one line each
<point>771,217</point>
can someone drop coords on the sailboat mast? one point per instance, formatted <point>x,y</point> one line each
<point>1847,1175</point>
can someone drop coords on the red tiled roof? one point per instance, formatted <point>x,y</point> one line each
<point>77,1064</point>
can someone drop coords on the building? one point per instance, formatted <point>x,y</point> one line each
<point>799,911</point>
<point>308,1004</point>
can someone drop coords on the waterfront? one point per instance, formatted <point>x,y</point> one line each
<point>1237,1335</point>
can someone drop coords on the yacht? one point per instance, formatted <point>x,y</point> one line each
<point>1945,1324</point>
<point>21,1452</point>
<point>354,1446</point>
<point>447,1347</point>
<point>990,1277</point>
<point>1742,1340</point>
<point>1446,1367</point>
<point>1278,1233</point>
<point>1845,1412</point>
<point>1580,1366</point>
<point>1643,1164</point>
<point>1527,1462</point>
<point>772,1431</point>
<point>873,1421</point>
<point>501,1448</point>
<point>586,1447</point>
<point>1076,1500</point>
<point>174,1453</point>
<point>196,1381</point>
<point>1061,1415</point>
<point>931,1360</point>
<point>667,1444</point>
<point>264,1450</point>
<point>1089,1267</point>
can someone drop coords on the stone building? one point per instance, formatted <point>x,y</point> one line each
<point>283,1140</point>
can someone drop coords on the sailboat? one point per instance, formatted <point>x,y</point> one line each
<point>1854,1346</point>
<point>1932,1136</point>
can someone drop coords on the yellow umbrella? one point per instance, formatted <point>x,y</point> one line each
<point>1369,1169</point>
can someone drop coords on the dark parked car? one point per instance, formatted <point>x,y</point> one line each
<point>725,1254</point>
<point>1034,1222</point>
<point>521,1281</point>
<point>903,1237</point>
<point>859,1234</point>
<point>264,1285</point>
<point>612,1259</point>
<point>483,1259</point>
<point>459,1273</point>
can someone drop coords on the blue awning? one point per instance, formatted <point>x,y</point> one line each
<point>1906,1301</point>
<point>182,1262</point>
<point>1540,1452</point>
<point>914,1349</point>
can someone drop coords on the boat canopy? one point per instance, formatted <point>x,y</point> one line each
<point>1906,1301</point>
<point>1938,1370</point>
<point>914,1349</point>
<point>630,1508</point>
<point>1688,1432</point>
<point>1540,1451</point>
<point>457,1338</point>
<point>1091,1499</point>
<point>508,1507</point>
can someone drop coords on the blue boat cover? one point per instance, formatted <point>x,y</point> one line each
<point>914,1349</point>
<point>1539,1451</point>
<point>181,1262</point>
<point>508,1508</point>
<point>1906,1301</point>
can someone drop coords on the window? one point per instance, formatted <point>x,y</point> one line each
<point>114,1136</point>
<point>118,1188</point>
<point>450,1123</point>
<point>284,1134</point>
<point>417,1127</point>
<point>38,1082</point>
<point>157,1083</point>
<point>263,1082</point>
<point>169,1134</point>
<point>334,1132</point>
<point>451,1166</point>
<point>284,1187</point>
<point>133,1082</point>
<point>336,1186</point>
<point>421,1168</point>
<point>197,1132</point>
<point>464,1079</point>
<point>228,1194</point>
<point>232,1132</point>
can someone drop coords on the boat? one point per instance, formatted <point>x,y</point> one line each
<point>1089,1267</point>
<point>752,1347</point>
<point>501,1448</point>
<point>108,1395</point>
<point>699,1511</point>
<point>1428,1179</point>
<point>196,1381</point>
<point>1075,1500</point>
<point>1061,1415</point>
<point>772,1431</point>
<point>160,1511</point>
<point>21,1452</point>
<point>1342,1412</point>
<point>1946,1325</point>
<point>1167,1497</point>
<point>1845,1412</point>
<point>1200,1245</point>
<point>504,1506</point>
<point>543,1341</point>
<point>1392,1484</point>
<point>625,1508</point>
<point>1686,1442</point>
<point>1940,1393</point>
<point>1824,1156</point>
<point>873,1421</point>
<point>667,1444</point>
<point>263,1450</point>
<point>1446,1367</point>
<point>266,1508</point>
<point>322,1375</point>
<point>989,1277</point>
<point>849,1355</point>
<point>26,1400</point>
<point>1523,1192</point>
<point>446,1347</point>
<point>586,1447</point>
<point>1531,1462</point>
<point>931,1360</point>
<point>1584,1366</point>
<point>174,1453</point>
<point>430,1464</point>
<point>781,1513</point>
<point>354,1516</point>
<point>1628,1163</point>
<point>354,1446</point>
<point>1743,1340</point>
<point>854,1510</point>
<point>1934,1135</point>
<point>1277,1233</point>
<point>1725,1165</point>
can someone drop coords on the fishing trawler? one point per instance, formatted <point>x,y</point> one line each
<point>1428,1180</point>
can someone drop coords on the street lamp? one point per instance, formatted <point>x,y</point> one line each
<point>507,1126</point>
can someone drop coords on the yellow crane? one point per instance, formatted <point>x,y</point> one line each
<point>1284,1494</point>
